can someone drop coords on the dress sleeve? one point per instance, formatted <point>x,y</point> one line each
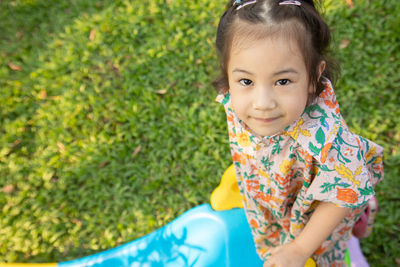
<point>347,174</point>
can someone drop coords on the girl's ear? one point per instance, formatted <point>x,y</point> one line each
<point>321,68</point>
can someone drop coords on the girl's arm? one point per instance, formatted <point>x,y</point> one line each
<point>324,220</point>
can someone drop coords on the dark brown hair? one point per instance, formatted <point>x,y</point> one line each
<point>266,18</point>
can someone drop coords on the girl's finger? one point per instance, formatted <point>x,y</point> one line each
<point>268,263</point>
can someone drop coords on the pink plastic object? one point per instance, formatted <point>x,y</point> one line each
<point>357,258</point>
<point>365,223</point>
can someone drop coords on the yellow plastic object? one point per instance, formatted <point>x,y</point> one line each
<point>28,264</point>
<point>310,263</point>
<point>227,196</point>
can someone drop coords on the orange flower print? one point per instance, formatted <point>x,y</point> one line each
<point>286,225</point>
<point>244,139</point>
<point>239,158</point>
<point>230,117</point>
<point>254,223</point>
<point>328,91</point>
<point>267,198</point>
<point>262,196</point>
<point>307,158</point>
<point>358,142</point>
<point>344,230</point>
<point>282,180</point>
<point>319,251</point>
<point>252,185</point>
<point>347,195</point>
<point>378,166</point>
<point>324,152</point>
<point>331,104</point>
<point>274,235</point>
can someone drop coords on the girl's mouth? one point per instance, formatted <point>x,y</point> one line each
<point>266,120</point>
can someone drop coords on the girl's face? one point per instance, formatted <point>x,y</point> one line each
<point>268,83</point>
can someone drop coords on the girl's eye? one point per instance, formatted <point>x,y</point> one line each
<point>246,82</point>
<point>282,82</point>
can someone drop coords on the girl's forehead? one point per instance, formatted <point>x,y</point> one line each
<point>245,35</point>
<point>274,41</point>
<point>266,55</point>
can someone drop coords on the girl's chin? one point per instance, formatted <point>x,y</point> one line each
<point>266,132</point>
<point>267,129</point>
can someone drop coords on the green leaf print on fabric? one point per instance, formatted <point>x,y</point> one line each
<point>324,123</point>
<point>320,136</point>
<point>266,242</point>
<point>340,157</point>
<point>237,164</point>
<point>315,108</point>
<point>225,100</point>
<point>377,175</point>
<point>315,150</point>
<point>325,168</point>
<point>282,237</point>
<point>341,140</point>
<point>267,163</point>
<point>297,214</point>
<point>359,156</point>
<point>249,176</point>
<point>330,186</point>
<point>276,149</point>
<point>262,187</point>
<point>327,187</point>
<point>366,191</point>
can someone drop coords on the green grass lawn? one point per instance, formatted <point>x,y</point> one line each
<point>109,129</point>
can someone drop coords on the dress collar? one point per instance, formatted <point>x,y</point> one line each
<point>320,117</point>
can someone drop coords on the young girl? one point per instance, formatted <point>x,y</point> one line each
<point>304,177</point>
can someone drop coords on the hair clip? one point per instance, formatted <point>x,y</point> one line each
<point>239,2</point>
<point>289,2</point>
<point>236,2</point>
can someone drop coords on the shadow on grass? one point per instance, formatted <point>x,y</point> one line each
<point>27,26</point>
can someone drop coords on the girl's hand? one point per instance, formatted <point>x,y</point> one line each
<point>289,255</point>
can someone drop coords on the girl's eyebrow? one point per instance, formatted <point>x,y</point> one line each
<point>290,70</point>
<point>244,71</point>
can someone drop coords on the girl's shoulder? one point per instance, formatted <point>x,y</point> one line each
<point>322,131</point>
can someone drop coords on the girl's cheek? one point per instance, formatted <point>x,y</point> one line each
<point>298,105</point>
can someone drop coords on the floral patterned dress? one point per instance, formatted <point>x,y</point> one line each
<point>283,177</point>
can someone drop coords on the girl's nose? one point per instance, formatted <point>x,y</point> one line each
<point>264,99</point>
